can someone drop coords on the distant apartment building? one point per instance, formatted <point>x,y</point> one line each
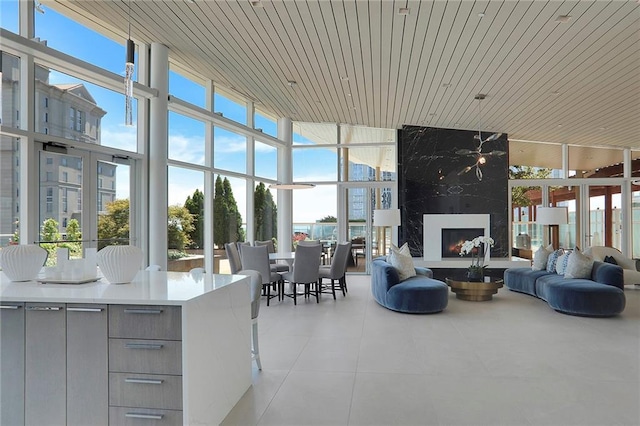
<point>358,196</point>
<point>64,110</point>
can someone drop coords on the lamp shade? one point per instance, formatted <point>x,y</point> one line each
<point>388,217</point>
<point>551,215</point>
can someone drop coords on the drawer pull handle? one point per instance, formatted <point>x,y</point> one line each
<point>85,309</point>
<point>143,311</point>
<point>43,308</point>
<point>144,416</point>
<point>143,346</point>
<point>14,307</point>
<point>143,381</point>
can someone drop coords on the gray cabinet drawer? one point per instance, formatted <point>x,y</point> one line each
<point>145,390</point>
<point>124,416</point>
<point>145,322</point>
<point>145,356</point>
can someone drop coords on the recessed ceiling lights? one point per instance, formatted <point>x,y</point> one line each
<point>349,94</point>
<point>445,85</point>
<point>292,83</point>
<point>563,19</point>
<point>555,93</point>
<point>432,114</point>
<point>602,128</point>
<point>353,107</point>
<point>559,125</point>
<point>481,15</point>
<point>480,96</point>
<point>256,3</point>
<point>344,78</point>
<point>403,11</point>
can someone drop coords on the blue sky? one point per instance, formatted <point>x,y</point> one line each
<point>186,135</point>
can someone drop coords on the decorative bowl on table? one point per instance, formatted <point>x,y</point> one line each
<point>22,262</point>
<point>119,264</point>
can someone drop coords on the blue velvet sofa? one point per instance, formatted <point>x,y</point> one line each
<point>600,296</point>
<point>417,295</point>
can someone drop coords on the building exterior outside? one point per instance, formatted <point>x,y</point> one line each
<point>64,110</point>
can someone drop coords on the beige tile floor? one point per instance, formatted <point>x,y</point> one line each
<point>510,361</point>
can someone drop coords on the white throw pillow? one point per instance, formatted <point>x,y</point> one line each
<point>400,258</point>
<point>540,258</point>
<point>579,265</point>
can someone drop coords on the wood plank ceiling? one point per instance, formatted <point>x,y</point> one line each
<point>366,63</point>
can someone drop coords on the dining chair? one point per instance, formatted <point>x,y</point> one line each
<point>337,270</point>
<point>323,256</point>
<point>271,248</point>
<point>235,262</point>
<point>255,290</point>
<point>153,268</point>
<point>241,245</point>
<point>257,259</point>
<point>306,266</point>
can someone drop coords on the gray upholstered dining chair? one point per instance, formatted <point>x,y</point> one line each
<point>235,262</point>
<point>257,259</point>
<point>271,248</point>
<point>306,265</point>
<point>323,255</point>
<point>337,270</point>
<point>256,290</point>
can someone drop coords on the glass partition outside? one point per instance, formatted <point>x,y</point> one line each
<point>566,197</point>
<point>266,161</point>
<point>266,125</point>
<point>315,164</point>
<point>186,139</point>
<point>229,151</point>
<point>71,37</point>
<point>9,15</point>
<point>185,88</point>
<point>229,108</point>
<point>11,107</point>
<point>61,188</point>
<point>74,109</point>
<point>9,190</point>
<point>526,234</point>
<point>185,228</point>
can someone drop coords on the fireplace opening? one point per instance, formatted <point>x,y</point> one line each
<point>452,239</point>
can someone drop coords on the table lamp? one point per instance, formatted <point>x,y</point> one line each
<point>552,216</point>
<point>384,218</point>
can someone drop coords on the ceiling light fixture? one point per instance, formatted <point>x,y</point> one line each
<point>563,19</point>
<point>291,83</point>
<point>479,156</point>
<point>257,3</point>
<point>128,74</point>
<point>403,11</point>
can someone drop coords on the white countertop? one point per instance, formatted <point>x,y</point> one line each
<point>147,288</point>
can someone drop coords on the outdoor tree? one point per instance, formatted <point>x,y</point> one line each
<point>195,205</point>
<point>519,196</point>
<point>114,224</point>
<point>328,219</point>
<point>220,215</point>
<point>227,219</point>
<point>265,212</point>
<point>179,227</point>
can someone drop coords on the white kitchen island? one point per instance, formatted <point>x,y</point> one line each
<point>166,348</point>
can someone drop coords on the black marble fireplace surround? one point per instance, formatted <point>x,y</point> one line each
<point>429,182</point>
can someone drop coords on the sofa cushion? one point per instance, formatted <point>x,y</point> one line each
<point>523,279</point>
<point>578,266</point>
<point>585,298</point>
<point>400,258</point>
<point>540,258</point>
<point>608,274</point>
<point>553,259</point>
<point>544,283</point>
<point>418,294</point>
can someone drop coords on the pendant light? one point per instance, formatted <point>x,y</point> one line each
<point>128,75</point>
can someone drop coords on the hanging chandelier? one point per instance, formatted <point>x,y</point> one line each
<point>128,75</point>
<point>479,157</point>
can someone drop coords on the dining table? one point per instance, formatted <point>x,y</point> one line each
<point>287,256</point>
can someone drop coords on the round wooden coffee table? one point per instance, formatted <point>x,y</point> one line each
<point>475,291</point>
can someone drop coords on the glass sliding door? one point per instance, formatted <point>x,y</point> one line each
<point>604,221</point>
<point>367,242</point>
<point>84,201</point>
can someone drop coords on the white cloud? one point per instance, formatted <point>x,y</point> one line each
<point>230,144</point>
<point>189,149</point>
<point>120,137</point>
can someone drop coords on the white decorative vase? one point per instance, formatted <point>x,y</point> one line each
<point>119,264</point>
<point>22,262</point>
